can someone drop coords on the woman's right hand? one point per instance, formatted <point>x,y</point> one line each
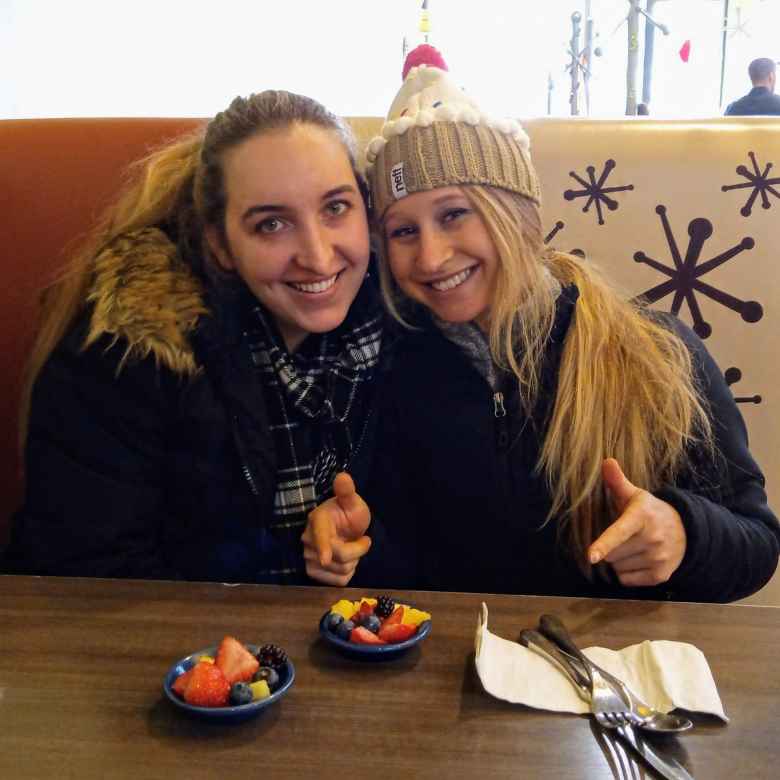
<point>335,537</point>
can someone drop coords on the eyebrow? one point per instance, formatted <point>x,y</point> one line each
<point>272,208</point>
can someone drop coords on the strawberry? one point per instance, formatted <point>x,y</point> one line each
<point>362,613</point>
<point>396,616</point>
<point>180,683</point>
<point>396,632</point>
<point>366,609</point>
<point>363,636</point>
<point>207,687</point>
<point>235,662</point>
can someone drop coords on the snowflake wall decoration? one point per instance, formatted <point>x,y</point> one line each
<point>685,278</point>
<point>557,227</point>
<point>595,190</point>
<point>758,181</point>
<point>732,376</point>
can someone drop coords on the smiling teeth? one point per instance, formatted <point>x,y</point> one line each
<point>453,281</point>
<point>315,287</point>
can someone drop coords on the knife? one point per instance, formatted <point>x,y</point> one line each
<point>666,766</point>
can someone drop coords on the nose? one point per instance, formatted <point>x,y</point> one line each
<point>433,249</point>
<point>315,251</point>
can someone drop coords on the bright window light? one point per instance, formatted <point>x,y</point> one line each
<point>189,58</point>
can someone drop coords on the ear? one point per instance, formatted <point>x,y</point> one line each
<point>221,254</point>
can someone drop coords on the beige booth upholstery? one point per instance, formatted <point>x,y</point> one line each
<point>686,213</point>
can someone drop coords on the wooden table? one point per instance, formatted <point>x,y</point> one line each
<point>82,663</point>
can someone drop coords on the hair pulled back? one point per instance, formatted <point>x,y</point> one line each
<point>179,188</point>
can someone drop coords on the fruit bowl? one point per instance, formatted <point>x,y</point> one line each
<point>374,650</point>
<point>231,713</point>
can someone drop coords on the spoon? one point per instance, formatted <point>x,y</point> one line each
<point>651,719</point>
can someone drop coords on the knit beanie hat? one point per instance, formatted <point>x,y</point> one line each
<point>436,136</point>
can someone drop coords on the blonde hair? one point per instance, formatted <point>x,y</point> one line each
<point>625,385</point>
<point>181,188</point>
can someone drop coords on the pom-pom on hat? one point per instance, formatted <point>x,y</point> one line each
<point>436,136</point>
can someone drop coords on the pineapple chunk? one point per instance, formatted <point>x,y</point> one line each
<point>413,617</point>
<point>345,608</point>
<point>260,690</point>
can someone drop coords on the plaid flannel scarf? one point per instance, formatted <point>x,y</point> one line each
<point>318,405</point>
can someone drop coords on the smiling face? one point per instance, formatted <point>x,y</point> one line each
<point>441,254</point>
<point>296,227</point>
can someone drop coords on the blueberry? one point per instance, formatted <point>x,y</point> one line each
<point>372,623</point>
<point>268,674</point>
<point>240,693</point>
<point>333,621</point>
<point>344,630</point>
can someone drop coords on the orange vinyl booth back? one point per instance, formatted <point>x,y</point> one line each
<point>57,176</point>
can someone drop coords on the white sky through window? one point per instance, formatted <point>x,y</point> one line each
<point>176,58</point>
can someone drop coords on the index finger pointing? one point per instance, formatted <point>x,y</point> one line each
<point>626,526</point>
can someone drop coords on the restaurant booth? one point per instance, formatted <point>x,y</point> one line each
<point>682,212</point>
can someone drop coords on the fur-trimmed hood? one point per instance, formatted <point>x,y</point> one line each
<point>144,295</point>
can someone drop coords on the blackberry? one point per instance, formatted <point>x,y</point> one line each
<point>384,606</point>
<point>272,655</point>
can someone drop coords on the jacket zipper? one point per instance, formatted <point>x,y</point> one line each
<point>355,452</point>
<point>502,429</point>
<point>245,469</point>
<point>498,405</point>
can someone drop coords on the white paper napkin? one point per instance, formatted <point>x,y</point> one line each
<point>665,674</point>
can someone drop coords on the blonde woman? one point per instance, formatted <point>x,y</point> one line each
<point>540,434</point>
<point>207,363</point>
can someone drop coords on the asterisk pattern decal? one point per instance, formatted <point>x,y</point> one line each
<point>685,278</point>
<point>732,376</point>
<point>554,232</point>
<point>595,190</point>
<point>557,227</point>
<point>758,181</point>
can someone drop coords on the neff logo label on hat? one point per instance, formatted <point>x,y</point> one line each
<point>397,184</point>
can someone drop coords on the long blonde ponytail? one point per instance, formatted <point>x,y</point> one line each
<point>625,385</point>
<point>626,390</point>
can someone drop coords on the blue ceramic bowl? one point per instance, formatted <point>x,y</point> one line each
<point>373,652</point>
<point>225,714</point>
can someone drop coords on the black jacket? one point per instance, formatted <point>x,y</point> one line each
<point>759,101</point>
<point>149,453</point>
<point>456,486</point>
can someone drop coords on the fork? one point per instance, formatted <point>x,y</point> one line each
<point>608,706</point>
<point>620,760</point>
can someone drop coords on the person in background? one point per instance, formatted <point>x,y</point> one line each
<point>206,365</point>
<point>761,100</point>
<point>539,433</point>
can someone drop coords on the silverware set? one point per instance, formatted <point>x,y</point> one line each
<point>615,708</point>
